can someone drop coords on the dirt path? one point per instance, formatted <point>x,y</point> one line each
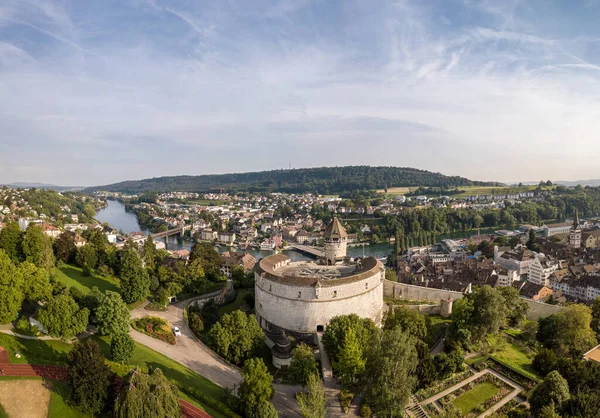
<point>25,398</point>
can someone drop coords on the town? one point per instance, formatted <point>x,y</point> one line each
<point>483,306</point>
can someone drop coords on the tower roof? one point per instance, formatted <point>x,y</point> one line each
<point>335,230</point>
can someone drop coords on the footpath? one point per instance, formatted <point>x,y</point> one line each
<point>61,374</point>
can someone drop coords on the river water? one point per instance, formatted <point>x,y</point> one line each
<point>116,216</point>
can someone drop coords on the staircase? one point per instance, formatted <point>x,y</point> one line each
<point>413,409</point>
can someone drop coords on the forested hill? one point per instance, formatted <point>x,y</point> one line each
<point>323,180</point>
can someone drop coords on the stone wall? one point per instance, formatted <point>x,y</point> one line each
<point>424,309</point>
<point>303,309</point>
<point>410,292</point>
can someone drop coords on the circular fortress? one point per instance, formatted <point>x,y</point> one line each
<point>303,296</point>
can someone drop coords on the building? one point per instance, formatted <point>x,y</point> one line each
<point>303,296</point>
<point>590,239</point>
<point>227,237</point>
<point>232,259</point>
<point>575,233</point>
<point>335,241</point>
<point>519,260</point>
<point>593,354</point>
<point>208,235</point>
<point>555,229</point>
<point>540,270</point>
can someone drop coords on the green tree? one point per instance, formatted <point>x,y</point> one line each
<point>194,277</point>
<point>37,247</point>
<point>86,256</point>
<point>408,320</point>
<point>121,347</point>
<point>303,364</point>
<point>11,289</point>
<point>149,253</point>
<point>553,389</point>
<point>391,369</point>
<point>209,258</point>
<point>134,279</point>
<point>112,314</point>
<point>312,402</point>
<point>148,395</point>
<point>595,324</point>
<point>36,282</point>
<point>63,318</point>
<point>89,377</point>
<point>238,275</point>
<point>516,307</point>
<point>349,364</point>
<point>11,240</point>
<point>256,388</point>
<point>335,334</point>
<point>568,331</point>
<point>236,336</point>
<point>64,247</point>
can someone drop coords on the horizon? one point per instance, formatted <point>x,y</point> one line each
<point>107,91</point>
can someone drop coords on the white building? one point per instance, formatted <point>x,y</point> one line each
<point>540,270</point>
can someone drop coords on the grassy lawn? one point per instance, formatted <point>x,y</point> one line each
<point>471,399</point>
<point>35,351</point>
<point>58,404</point>
<point>476,360</point>
<point>518,356</point>
<point>55,352</point>
<point>72,276</point>
<point>235,305</point>
<point>2,413</point>
<point>438,323</point>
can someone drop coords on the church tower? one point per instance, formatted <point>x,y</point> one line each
<point>335,240</point>
<point>575,234</point>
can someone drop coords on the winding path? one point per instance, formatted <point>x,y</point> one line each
<point>193,354</point>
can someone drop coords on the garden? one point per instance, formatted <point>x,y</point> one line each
<point>155,327</point>
<point>478,395</point>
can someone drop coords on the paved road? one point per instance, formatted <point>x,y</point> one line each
<point>194,355</point>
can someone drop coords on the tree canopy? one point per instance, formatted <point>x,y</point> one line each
<point>256,388</point>
<point>11,285</point>
<point>112,314</point>
<point>148,395</point>
<point>236,336</point>
<point>63,318</point>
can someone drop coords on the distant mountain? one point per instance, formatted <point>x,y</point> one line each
<point>322,180</point>
<point>594,183</point>
<point>25,185</point>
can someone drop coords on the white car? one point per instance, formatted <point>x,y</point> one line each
<point>176,331</point>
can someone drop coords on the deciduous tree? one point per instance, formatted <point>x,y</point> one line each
<point>408,320</point>
<point>36,282</point>
<point>392,371</point>
<point>112,314</point>
<point>256,388</point>
<point>134,279</point>
<point>11,289</point>
<point>64,247</point>
<point>312,402</point>
<point>121,347</point>
<point>236,336</point>
<point>37,247</point>
<point>303,364</point>
<point>63,318</point>
<point>86,256</point>
<point>334,336</point>
<point>554,389</point>
<point>11,240</point>
<point>349,364</point>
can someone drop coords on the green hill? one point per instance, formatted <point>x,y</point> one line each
<point>323,180</point>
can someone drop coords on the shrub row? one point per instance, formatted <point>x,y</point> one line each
<point>443,385</point>
<point>488,377</point>
<point>512,373</point>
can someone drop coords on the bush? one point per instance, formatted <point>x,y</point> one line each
<point>208,401</point>
<point>76,294</point>
<point>346,399</point>
<point>24,328</point>
<point>365,411</point>
<point>196,323</point>
<point>121,347</point>
<point>86,271</point>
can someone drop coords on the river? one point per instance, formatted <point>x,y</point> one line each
<point>116,216</point>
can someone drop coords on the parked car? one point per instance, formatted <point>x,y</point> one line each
<point>176,331</point>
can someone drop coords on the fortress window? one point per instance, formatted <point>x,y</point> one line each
<point>299,294</point>
<point>270,287</point>
<point>366,285</point>
<point>335,293</point>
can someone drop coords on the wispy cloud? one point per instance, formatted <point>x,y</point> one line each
<point>480,89</point>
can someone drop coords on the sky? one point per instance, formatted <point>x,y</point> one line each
<point>95,92</point>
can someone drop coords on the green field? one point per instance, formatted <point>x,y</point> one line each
<point>466,191</point>
<point>2,413</point>
<point>55,352</point>
<point>516,355</point>
<point>72,276</point>
<point>471,399</point>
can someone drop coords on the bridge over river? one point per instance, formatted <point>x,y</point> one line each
<point>307,249</point>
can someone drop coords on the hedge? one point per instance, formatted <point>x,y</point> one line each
<point>207,400</point>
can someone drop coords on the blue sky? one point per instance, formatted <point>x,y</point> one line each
<point>95,92</point>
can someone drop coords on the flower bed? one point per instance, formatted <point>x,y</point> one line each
<point>511,373</point>
<point>443,385</point>
<point>486,384</point>
<point>155,327</point>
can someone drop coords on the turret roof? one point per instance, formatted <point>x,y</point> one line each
<point>335,230</point>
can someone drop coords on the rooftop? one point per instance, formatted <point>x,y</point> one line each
<point>335,230</point>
